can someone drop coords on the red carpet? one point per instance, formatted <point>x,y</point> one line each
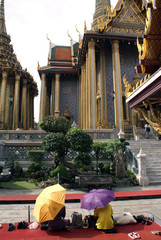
<point>78,196</point>
<point>122,233</point>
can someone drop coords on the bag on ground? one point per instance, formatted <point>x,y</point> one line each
<point>76,219</point>
<point>125,218</point>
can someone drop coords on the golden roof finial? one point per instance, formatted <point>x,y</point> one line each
<point>85,26</point>
<point>38,65</point>
<point>70,43</point>
<point>48,38</point>
<point>80,42</point>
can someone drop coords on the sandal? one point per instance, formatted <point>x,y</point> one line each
<point>134,235</point>
<point>156,232</point>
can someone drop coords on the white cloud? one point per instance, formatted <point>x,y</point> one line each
<point>28,22</point>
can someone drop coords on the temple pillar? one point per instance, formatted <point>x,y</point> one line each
<point>52,96</point>
<point>16,102</point>
<point>87,94</point>
<point>79,101</point>
<point>92,85</point>
<point>28,109</point>
<point>118,108</point>
<point>24,104</point>
<point>57,95</point>
<point>42,112</point>
<point>3,100</point>
<point>83,97</point>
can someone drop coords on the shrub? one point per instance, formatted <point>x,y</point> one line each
<point>55,142</point>
<point>132,177</point>
<point>63,172</point>
<point>83,158</point>
<point>79,140</point>
<point>55,124</point>
<point>36,155</point>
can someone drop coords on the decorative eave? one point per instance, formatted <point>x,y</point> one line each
<point>146,90</point>
<point>57,69</point>
<point>150,49</point>
<point>97,36</point>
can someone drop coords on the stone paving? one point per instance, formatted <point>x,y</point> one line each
<point>19,212</point>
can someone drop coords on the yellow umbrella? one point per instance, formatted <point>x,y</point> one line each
<point>49,202</point>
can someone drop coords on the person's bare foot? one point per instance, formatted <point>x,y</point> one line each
<point>69,229</point>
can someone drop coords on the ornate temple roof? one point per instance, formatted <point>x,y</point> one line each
<point>150,50</point>
<point>126,19</point>
<point>149,88</point>
<point>8,59</point>
<point>61,59</point>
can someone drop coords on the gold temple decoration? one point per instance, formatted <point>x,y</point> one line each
<point>70,43</point>
<point>85,26</point>
<point>128,87</point>
<point>101,24</point>
<point>38,65</point>
<point>80,42</point>
<point>67,114</point>
<point>48,38</point>
<point>155,125</point>
<point>142,49</point>
<point>155,117</point>
<point>111,14</point>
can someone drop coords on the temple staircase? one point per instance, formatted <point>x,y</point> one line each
<point>152,148</point>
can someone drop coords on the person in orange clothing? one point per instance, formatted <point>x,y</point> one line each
<point>104,219</point>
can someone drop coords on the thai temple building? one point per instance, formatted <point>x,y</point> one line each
<point>145,97</point>
<point>17,87</point>
<point>87,81</point>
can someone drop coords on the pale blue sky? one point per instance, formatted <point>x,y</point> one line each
<point>28,22</point>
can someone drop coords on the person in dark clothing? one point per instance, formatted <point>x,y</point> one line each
<point>59,223</point>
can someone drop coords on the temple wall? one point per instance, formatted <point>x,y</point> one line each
<point>68,95</point>
<point>109,82</point>
<point>129,59</point>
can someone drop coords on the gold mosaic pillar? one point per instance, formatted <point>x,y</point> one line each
<point>3,100</point>
<point>57,94</point>
<point>16,101</point>
<point>83,97</point>
<point>28,109</point>
<point>24,104</point>
<point>79,101</point>
<point>117,86</point>
<point>42,112</point>
<point>92,85</point>
<point>52,97</point>
<point>87,94</point>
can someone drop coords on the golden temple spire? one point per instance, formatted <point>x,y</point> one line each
<point>2,18</point>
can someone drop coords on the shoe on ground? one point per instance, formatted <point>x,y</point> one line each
<point>11,227</point>
<point>134,235</point>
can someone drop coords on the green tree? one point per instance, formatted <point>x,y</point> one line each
<point>81,142</point>
<point>55,141</point>
<point>52,124</point>
<point>98,148</point>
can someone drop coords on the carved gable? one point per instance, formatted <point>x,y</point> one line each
<point>127,21</point>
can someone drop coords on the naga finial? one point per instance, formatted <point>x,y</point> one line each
<point>48,38</point>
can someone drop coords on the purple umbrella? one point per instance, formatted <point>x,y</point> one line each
<point>97,198</point>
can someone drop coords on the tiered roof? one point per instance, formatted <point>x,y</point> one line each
<point>8,59</point>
